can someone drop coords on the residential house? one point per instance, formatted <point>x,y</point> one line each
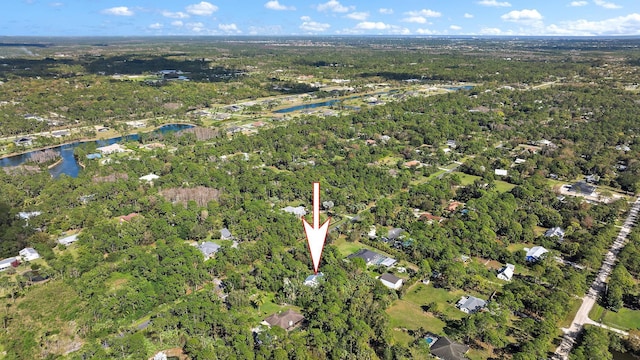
<point>225,234</point>
<point>506,273</point>
<point>298,211</point>
<point>555,231</point>
<point>535,253</point>
<point>430,218</point>
<point>454,205</point>
<point>110,149</point>
<point>445,349</point>
<point>26,215</point>
<point>391,281</point>
<point>520,161</point>
<point>8,262</point>
<point>287,320</point>
<point>29,254</point>
<point>149,177</point>
<point>24,141</point>
<point>66,241</point>
<point>470,304</point>
<point>372,258</point>
<point>395,233</point>
<point>500,172</point>
<point>452,144</point>
<point>412,163</point>
<point>313,280</point>
<point>582,188</point>
<point>593,178</point>
<point>208,249</point>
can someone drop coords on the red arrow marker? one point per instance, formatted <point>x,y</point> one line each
<point>316,234</point>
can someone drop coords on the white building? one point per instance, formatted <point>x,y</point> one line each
<point>149,177</point>
<point>501,172</point>
<point>313,280</point>
<point>506,273</point>
<point>29,254</point>
<point>6,263</point>
<point>66,241</point>
<point>391,281</point>
<point>110,149</point>
<point>298,211</point>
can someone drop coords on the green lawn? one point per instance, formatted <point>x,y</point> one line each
<point>624,319</point>
<point>503,186</point>
<point>466,179</point>
<point>405,314</point>
<point>444,300</point>
<point>596,312</point>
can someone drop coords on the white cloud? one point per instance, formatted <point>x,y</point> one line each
<point>621,25</point>
<point>361,16</point>
<point>522,15</point>
<point>468,16</point>
<point>494,3</point>
<point>265,30</point>
<point>333,6</point>
<point>314,27</point>
<point>156,26</point>
<point>202,9</point>
<point>425,32</point>
<point>415,19</point>
<point>606,5</point>
<point>275,5</point>
<point>424,13</point>
<point>118,11</point>
<point>385,11</point>
<point>195,26</point>
<point>490,31</point>
<point>370,25</point>
<point>175,15</point>
<point>305,18</point>
<point>229,28</point>
<point>177,23</point>
<point>455,27</point>
<point>578,3</point>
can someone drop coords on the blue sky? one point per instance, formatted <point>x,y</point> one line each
<point>323,17</point>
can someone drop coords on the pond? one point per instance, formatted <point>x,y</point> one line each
<point>69,165</point>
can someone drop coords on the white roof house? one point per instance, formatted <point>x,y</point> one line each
<point>298,211</point>
<point>6,263</point>
<point>208,249</point>
<point>66,241</point>
<point>29,254</point>
<point>506,273</point>
<point>471,304</point>
<point>500,172</point>
<point>391,281</point>
<point>26,215</point>
<point>149,177</point>
<point>111,149</point>
<point>313,280</point>
<point>555,231</point>
<point>535,253</point>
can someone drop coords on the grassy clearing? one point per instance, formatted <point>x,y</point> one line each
<point>518,246</point>
<point>405,314</point>
<point>624,319</point>
<point>444,300</point>
<point>503,186</point>
<point>596,313</point>
<point>466,179</point>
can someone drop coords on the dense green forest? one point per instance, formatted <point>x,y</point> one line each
<point>131,287</point>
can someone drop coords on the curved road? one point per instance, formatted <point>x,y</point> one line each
<point>597,288</point>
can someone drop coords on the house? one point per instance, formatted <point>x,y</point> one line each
<point>445,349</point>
<point>111,149</point>
<point>24,141</point>
<point>470,304</point>
<point>535,253</point>
<point>394,233</point>
<point>592,179</point>
<point>555,231</point>
<point>60,133</point>
<point>149,177</point>
<point>500,172</point>
<point>225,234</point>
<point>454,205</point>
<point>26,215</point>
<point>313,280</point>
<point>372,258</point>
<point>29,254</point>
<point>7,263</point>
<point>430,218</point>
<point>582,188</point>
<point>412,163</point>
<point>391,281</point>
<point>506,273</point>
<point>66,241</point>
<point>287,320</point>
<point>452,144</point>
<point>208,249</point>
<point>298,211</point>
<point>127,218</point>
<point>520,161</point>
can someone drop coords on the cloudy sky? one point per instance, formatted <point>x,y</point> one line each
<point>324,17</point>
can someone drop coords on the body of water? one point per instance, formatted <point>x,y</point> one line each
<point>69,165</point>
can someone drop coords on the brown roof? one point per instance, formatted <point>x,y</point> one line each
<point>454,205</point>
<point>128,218</point>
<point>286,320</point>
<point>429,216</point>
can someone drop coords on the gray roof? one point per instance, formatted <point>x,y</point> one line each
<point>208,248</point>
<point>447,350</point>
<point>225,233</point>
<point>471,304</point>
<point>390,278</point>
<point>68,240</point>
<point>555,231</point>
<point>369,257</point>
<point>395,233</point>
<point>583,188</point>
<point>298,210</point>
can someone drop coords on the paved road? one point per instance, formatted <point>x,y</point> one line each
<point>597,288</point>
